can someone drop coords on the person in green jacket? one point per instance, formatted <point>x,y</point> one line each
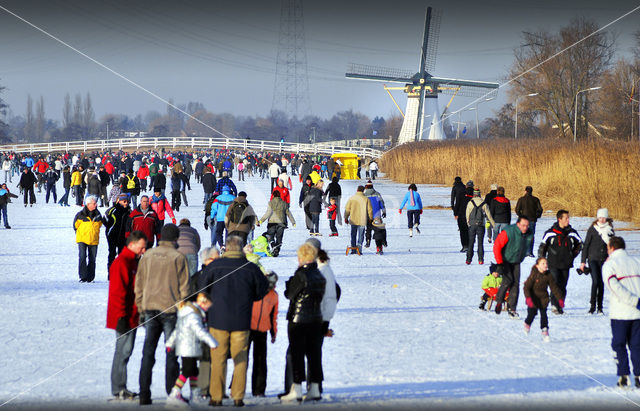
<point>490,285</point>
<point>153,172</point>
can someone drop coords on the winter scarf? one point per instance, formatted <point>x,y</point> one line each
<point>605,230</point>
<point>155,199</point>
<point>413,201</point>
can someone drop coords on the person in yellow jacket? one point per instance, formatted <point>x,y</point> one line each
<point>76,185</point>
<point>87,225</point>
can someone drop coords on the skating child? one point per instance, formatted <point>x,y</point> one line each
<point>186,338</point>
<point>254,256</point>
<point>332,214</point>
<point>379,234</point>
<point>537,296</point>
<point>264,318</point>
<point>490,285</point>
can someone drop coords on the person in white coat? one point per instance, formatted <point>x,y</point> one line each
<point>185,339</point>
<point>621,275</point>
<point>274,172</point>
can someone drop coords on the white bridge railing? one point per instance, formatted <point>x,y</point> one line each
<point>188,142</point>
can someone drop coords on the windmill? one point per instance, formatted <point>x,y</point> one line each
<point>422,88</point>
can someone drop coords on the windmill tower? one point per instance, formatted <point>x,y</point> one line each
<point>422,88</point>
<point>291,93</point>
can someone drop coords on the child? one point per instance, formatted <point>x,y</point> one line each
<point>537,296</point>
<point>5,198</point>
<point>261,246</point>
<point>490,284</point>
<point>253,256</point>
<point>264,318</point>
<point>186,337</point>
<point>379,234</point>
<point>332,214</point>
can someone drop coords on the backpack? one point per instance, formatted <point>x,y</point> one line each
<point>131,183</point>
<point>237,210</point>
<point>476,217</point>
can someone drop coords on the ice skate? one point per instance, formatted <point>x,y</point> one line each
<point>313,394</point>
<point>623,381</point>
<point>527,328</point>
<point>545,335</point>
<point>411,232</point>
<point>415,227</point>
<point>513,314</point>
<point>295,394</point>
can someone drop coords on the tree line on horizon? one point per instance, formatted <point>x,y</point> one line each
<point>547,96</point>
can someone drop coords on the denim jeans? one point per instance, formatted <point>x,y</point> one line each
<point>192,262</point>
<point>532,228</point>
<point>357,235</point>
<point>476,231</point>
<point>217,232</point>
<point>3,215</point>
<point>51,189</point>
<point>87,269</point>
<point>157,324</point>
<point>315,222</point>
<point>626,333</point>
<point>65,198</point>
<point>7,174</point>
<point>124,348</point>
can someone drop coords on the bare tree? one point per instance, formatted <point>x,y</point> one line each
<point>29,122</point>
<point>66,111</point>
<point>88,117</point>
<point>77,110</point>
<point>558,80</point>
<point>40,120</point>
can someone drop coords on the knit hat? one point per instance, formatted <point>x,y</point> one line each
<point>315,242</point>
<point>272,277</point>
<point>602,212</point>
<point>369,184</point>
<point>123,197</point>
<point>470,183</point>
<point>494,186</point>
<point>476,192</point>
<point>458,179</point>
<point>170,232</point>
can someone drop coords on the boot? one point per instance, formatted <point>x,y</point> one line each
<point>195,397</point>
<point>313,394</point>
<point>623,381</point>
<point>175,397</point>
<point>417,228</point>
<point>545,335</point>
<point>527,328</point>
<point>482,304</point>
<point>295,394</point>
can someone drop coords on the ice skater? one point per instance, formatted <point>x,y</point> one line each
<point>537,296</point>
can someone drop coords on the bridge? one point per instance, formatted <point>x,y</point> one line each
<point>193,143</point>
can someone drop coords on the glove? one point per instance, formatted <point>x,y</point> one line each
<point>400,211</point>
<point>384,215</point>
<point>169,349</point>
<point>173,220</point>
<point>487,225</point>
<point>294,226</point>
<point>123,325</point>
<point>561,303</point>
<point>530,302</point>
<point>421,211</point>
<point>346,220</point>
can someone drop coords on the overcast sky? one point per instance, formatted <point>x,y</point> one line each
<point>223,53</point>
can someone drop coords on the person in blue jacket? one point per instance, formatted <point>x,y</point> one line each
<point>414,208</point>
<point>226,181</point>
<point>218,211</point>
<point>228,167</point>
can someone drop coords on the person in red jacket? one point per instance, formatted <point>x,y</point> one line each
<point>284,192</point>
<point>144,219</point>
<point>122,313</point>
<point>40,168</point>
<point>143,173</point>
<point>160,205</point>
<point>264,318</point>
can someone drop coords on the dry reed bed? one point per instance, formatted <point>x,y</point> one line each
<point>578,177</point>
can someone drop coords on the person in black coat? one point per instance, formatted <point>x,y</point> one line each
<point>529,206</point>
<point>560,245</point>
<point>160,182</point>
<point>66,184</point>
<point>595,252</point>
<point>199,168</point>
<point>208,184</point>
<point>500,209</point>
<point>50,178</point>
<point>460,196</point>
<point>305,290</point>
<point>233,284</point>
<point>105,179</point>
<point>313,201</point>
<point>27,180</point>
<point>116,221</point>
<point>487,200</point>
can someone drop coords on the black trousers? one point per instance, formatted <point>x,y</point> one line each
<point>114,250</point>
<point>464,231</point>
<point>274,182</point>
<point>189,367</point>
<point>259,374</point>
<point>175,200</point>
<point>511,282</point>
<point>413,218</point>
<point>597,285</point>
<point>30,195</point>
<point>531,314</point>
<point>305,340</point>
<point>561,277</point>
<point>332,226</point>
<point>275,233</point>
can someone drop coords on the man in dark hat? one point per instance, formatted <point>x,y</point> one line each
<point>162,281</point>
<point>115,221</point>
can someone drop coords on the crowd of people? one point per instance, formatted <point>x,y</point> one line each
<point>225,287</point>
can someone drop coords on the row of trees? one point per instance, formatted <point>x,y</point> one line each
<point>574,70</point>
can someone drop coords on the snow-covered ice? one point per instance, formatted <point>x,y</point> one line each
<point>407,330</point>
